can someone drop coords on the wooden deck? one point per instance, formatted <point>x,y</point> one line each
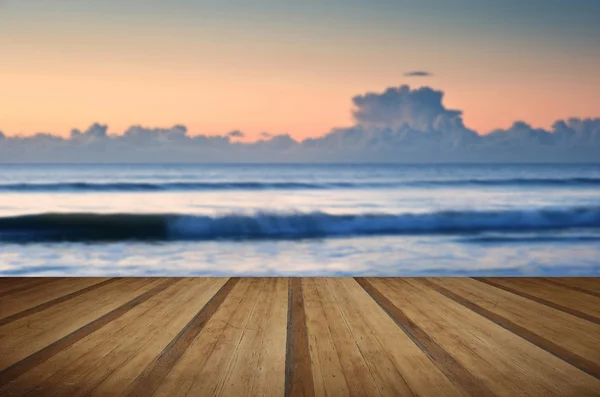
<point>299,337</point>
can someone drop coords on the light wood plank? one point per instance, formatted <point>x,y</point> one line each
<point>572,333</point>
<point>200,368</point>
<point>327,369</point>
<point>508,364</point>
<point>421,374</point>
<point>254,350</point>
<point>75,357</point>
<point>25,336</point>
<point>26,299</point>
<point>142,341</point>
<point>362,337</point>
<point>270,375</point>
<point>375,369</point>
<point>572,302</point>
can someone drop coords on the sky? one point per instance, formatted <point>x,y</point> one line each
<point>290,67</point>
<point>397,125</point>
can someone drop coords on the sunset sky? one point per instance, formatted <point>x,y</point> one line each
<point>290,67</point>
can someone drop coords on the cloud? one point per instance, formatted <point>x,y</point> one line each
<point>398,125</point>
<point>142,135</point>
<point>418,73</point>
<point>418,109</point>
<point>236,134</point>
<point>94,132</point>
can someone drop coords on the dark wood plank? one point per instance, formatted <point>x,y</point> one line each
<point>46,305</point>
<point>20,367</point>
<point>10,283</point>
<point>453,369</point>
<point>565,282</point>
<point>551,347</point>
<point>298,372</point>
<point>154,374</point>
<point>520,292</point>
<point>25,284</point>
<point>588,283</point>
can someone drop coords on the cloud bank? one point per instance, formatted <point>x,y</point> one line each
<point>398,125</point>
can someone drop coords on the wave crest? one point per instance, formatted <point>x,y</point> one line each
<point>169,227</point>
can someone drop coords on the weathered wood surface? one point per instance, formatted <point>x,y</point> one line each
<point>300,336</point>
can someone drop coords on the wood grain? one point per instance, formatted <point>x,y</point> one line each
<point>34,359</point>
<point>507,363</point>
<point>153,375</point>
<point>299,337</point>
<point>18,307</point>
<point>573,303</point>
<point>558,349</point>
<point>574,284</point>
<point>298,372</point>
<point>444,361</point>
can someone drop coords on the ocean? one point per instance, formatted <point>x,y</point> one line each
<point>299,220</point>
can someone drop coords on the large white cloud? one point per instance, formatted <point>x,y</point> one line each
<point>399,124</point>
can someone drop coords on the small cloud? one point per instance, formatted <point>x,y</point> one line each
<point>266,135</point>
<point>418,73</point>
<point>236,134</point>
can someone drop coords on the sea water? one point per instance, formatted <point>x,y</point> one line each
<point>309,220</point>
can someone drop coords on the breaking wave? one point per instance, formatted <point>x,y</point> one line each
<point>55,227</point>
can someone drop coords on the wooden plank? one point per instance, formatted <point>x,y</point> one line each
<point>182,376</point>
<point>201,369</point>
<point>65,368</point>
<point>255,351</point>
<point>166,329</point>
<point>508,364</point>
<point>10,283</point>
<point>573,302</point>
<point>18,307</point>
<point>154,374</point>
<point>588,284</point>
<point>575,284</point>
<point>16,285</point>
<point>368,368</point>
<point>97,338</point>
<point>359,379</point>
<point>298,375</point>
<point>413,366</point>
<point>84,364</point>
<point>452,368</point>
<point>269,379</point>
<point>27,335</point>
<point>327,372</point>
<point>472,353</point>
<point>116,362</point>
<point>213,375</point>
<point>570,338</point>
<point>36,347</point>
